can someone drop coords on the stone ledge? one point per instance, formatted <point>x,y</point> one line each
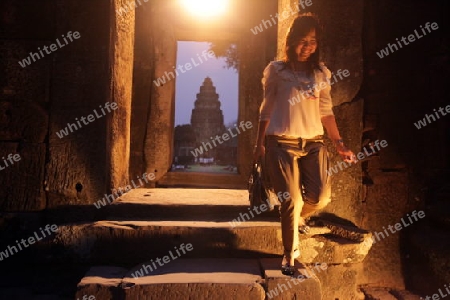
<point>384,293</point>
<point>304,284</point>
<point>130,242</point>
<point>184,278</point>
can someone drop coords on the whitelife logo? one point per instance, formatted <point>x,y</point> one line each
<point>11,158</point>
<point>398,226</point>
<point>319,87</point>
<point>165,260</point>
<point>199,151</point>
<point>391,48</point>
<point>118,192</point>
<point>161,81</point>
<point>86,120</point>
<point>31,240</point>
<point>280,17</point>
<point>430,118</point>
<point>361,155</point>
<point>53,47</point>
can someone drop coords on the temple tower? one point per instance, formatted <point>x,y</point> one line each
<point>207,117</point>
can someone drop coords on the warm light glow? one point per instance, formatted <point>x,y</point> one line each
<point>205,8</point>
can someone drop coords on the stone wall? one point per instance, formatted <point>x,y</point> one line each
<point>24,101</point>
<point>61,87</point>
<point>400,89</point>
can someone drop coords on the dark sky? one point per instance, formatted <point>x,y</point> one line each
<point>188,83</point>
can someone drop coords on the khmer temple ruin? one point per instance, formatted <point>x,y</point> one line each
<point>90,207</point>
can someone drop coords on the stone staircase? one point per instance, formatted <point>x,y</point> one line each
<point>183,244</point>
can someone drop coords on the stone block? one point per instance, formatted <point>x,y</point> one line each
<point>376,293</point>
<point>198,279</point>
<point>304,284</point>
<point>101,282</point>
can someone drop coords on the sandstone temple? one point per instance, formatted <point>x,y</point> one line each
<point>90,207</point>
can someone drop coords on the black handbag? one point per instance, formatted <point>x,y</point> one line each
<point>259,192</point>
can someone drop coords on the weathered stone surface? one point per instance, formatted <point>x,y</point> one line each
<point>304,284</point>
<point>142,79</point>
<point>84,78</point>
<point>158,141</point>
<point>405,295</point>
<point>180,204</point>
<point>329,249</point>
<point>385,205</point>
<point>251,67</point>
<point>374,293</point>
<point>340,227</point>
<point>340,281</point>
<point>25,86</point>
<point>118,126</point>
<point>93,241</point>
<point>198,279</point>
<point>101,282</point>
<point>346,186</point>
<point>23,120</point>
<point>22,182</point>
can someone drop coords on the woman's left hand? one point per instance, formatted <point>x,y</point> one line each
<point>346,154</point>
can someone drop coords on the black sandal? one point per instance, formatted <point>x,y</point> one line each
<point>286,268</point>
<point>304,229</point>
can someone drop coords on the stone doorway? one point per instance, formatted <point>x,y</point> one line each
<point>206,102</point>
<point>158,28</point>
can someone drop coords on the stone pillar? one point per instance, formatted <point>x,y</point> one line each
<point>159,136</point>
<point>88,73</point>
<point>121,52</point>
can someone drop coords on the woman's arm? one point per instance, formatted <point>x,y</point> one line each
<point>329,122</point>
<point>260,150</point>
<point>266,110</point>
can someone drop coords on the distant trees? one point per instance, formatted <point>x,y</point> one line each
<point>228,51</point>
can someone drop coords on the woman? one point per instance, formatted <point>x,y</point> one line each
<point>296,108</point>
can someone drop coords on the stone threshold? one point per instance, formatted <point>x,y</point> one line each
<point>201,278</point>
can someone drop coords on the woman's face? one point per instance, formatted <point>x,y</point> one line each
<point>306,46</point>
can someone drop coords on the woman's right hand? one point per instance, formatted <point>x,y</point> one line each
<point>258,153</point>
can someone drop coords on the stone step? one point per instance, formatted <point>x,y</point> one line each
<point>202,180</point>
<point>130,242</point>
<point>178,204</point>
<point>164,204</point>
<point>384,293</point>
<point>202,279</point>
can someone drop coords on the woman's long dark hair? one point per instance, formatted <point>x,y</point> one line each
<point>301,26</point>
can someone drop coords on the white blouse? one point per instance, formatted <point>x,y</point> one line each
<point>292,110</point>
